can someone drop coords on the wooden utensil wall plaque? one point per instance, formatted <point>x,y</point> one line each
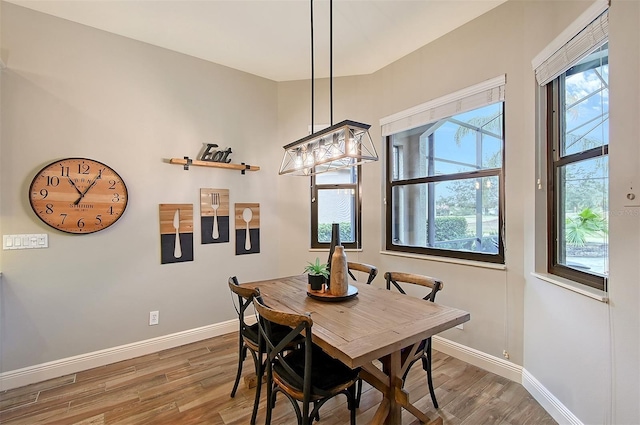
<point>176,233</point>
<point>247,218</point>
<point>214,215</point>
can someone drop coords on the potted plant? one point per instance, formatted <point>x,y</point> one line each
<point>318,273</point>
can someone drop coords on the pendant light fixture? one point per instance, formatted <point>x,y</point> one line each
<point>345,144</point>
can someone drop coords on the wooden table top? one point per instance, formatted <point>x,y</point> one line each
<point>375,323</point>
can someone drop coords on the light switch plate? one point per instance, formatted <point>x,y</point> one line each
<point>25,241</point>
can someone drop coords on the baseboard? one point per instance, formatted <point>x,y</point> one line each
<point>42,372</point>
<point>548,401</point>
<point>485,361</point>
<point>506,369</point>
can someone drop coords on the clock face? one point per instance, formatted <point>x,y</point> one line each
<point>78,195</point>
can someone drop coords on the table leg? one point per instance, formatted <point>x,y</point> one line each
<point>395,384</point>
<point>388,381</point>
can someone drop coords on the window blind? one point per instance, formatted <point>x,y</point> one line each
<point>588,32</point>
<point>477,96</point>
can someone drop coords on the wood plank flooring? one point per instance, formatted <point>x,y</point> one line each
<point>191,385</point>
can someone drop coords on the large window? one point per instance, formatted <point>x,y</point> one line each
<point>578,171</point>
<point>445,183</point>
<point>335,198</point>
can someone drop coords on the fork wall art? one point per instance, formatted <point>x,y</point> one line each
<point>214,215</point>
<point>176,233</point>
<point>247,218</point>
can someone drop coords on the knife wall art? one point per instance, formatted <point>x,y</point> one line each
<point>247,218</point>
<point>214,216</point>
<point>176,233</point>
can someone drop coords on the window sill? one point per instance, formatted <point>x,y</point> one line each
<point>327,251</point>
<point>573,286</point>
<point>447,260</point>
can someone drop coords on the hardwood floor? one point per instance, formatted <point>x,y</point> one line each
<point>191,385</point>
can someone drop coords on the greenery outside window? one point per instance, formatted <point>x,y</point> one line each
<point>578,171</point>
<point>444,193</point>
<point>336,198</point>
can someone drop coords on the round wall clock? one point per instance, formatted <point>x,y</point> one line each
<point>78,195</point>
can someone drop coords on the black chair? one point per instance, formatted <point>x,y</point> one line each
<point>423,351</point>
<point>247,335</point>
<point>249,340</point>
<point>306,374</point>
<point>372,271</point>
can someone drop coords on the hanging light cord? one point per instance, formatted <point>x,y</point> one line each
<point>330,66</point>
<point>331,58</point>
<point>312,68</point>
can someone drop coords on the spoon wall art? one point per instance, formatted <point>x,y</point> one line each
<point>247,218</point>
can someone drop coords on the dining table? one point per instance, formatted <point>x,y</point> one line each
<point>365,327</point>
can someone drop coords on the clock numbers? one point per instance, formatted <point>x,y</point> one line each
<point>84,168</point>
<point>78,195</point>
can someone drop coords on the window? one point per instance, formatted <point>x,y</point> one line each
<point>444,190</point>
<point>578,147</point>
<point>336,198</point>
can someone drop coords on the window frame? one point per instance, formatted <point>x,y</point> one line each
<point>357,187</point>
<point>499,257</point>
<point>554,91</point>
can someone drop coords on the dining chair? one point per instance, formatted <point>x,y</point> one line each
<point>307,374</point>
<point>249,340</point>
<point>372,271</point>
<point>423,350</point>
<point>247,334</point>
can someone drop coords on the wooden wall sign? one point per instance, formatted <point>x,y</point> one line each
<point>247,217</point>
<point>176,233</point>
<point>214,215</point>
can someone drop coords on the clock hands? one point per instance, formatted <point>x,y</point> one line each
<point>75,187</point>
<point>98,177</point>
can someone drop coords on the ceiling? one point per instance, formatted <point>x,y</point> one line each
<point>271,38</point>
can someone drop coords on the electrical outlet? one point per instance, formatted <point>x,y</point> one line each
<point>154,318</point>
<point>505,353</point>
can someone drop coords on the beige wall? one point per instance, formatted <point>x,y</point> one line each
<point>70,90</point>
<point>572,345</point>
<point>432,71</point>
